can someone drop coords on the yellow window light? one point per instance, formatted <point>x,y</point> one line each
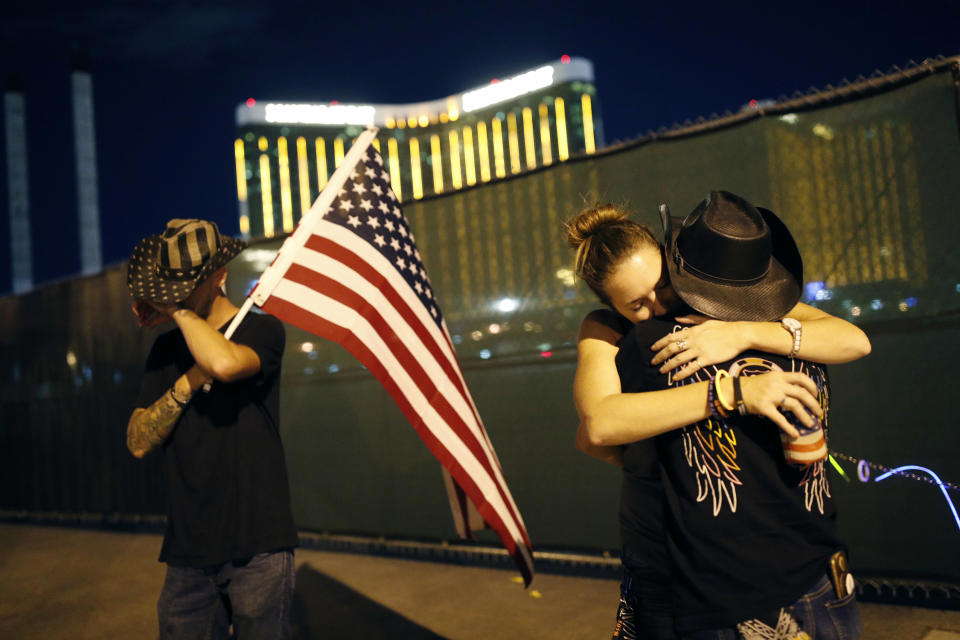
<point>483,151</point>
<point>423,120</point>
<point>401,123</point>
<point>245,225</point>
<point>444,118</point>
<point>267,195</point>
<point>545,151</point>
<point>437,164</point>
<point>469,164</point>
<point>376,144</point>
<point>286,201</point>
<point>456,177</point>
<point>337,151</point>
<point>562,151</point>
<point>390,122</point>
<point>303,173</point>
<point>412,122</point>
<point>262,143</point>
<point>587,123</point>
<point>394,167</point>
<point>321,149</point>
<point>496,130</point>
<point>241,170</point>
<point>453,111</point>
<point>415,176</point>
<point>514,143</point>
<point>531,151</point>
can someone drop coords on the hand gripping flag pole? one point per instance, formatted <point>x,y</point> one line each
<point>351,273</point>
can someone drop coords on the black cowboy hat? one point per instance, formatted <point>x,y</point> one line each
<point>166,268</point>
<point>733,261</point>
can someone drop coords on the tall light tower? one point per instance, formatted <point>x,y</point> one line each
<point>88,200</point>
<point>17,185</point>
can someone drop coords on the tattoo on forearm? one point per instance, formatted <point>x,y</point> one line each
<point>149,427</point>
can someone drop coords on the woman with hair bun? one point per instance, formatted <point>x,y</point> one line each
<point>630,272</point>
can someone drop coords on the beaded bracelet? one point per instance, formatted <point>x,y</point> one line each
<point>729,406</point>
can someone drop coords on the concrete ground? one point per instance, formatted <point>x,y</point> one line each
<point>85,585</point>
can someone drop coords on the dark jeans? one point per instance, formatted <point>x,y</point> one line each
<point>819,613</point>
<point>253,595</point>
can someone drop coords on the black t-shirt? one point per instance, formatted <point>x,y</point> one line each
<point>641,493</point>
<point>746,532</point>
<point>227,491</point>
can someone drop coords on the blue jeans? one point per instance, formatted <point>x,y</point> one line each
<point>819,613</point>
<point>254,595</point>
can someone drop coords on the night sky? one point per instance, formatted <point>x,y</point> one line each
<point>167,76</point>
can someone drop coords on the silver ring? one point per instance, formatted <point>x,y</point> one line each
<point>681,344</point>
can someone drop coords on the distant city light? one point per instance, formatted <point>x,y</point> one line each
<point>564,59</point>
<point>333,368</point>
<point>306,347</point>
<point>494,329</point>
<point>546,354</point>
<point>507,305</point>
<point>251,102</point>
<point>823,131</point>
<point>813,289</point>
<point>332,114</point>
<point>507,89</point>
<point>476,335</point>
<point>485,354</point>
<point>855,311</point>
<point>790,118</point>
<point>876,304</point>
<point>911,302</point>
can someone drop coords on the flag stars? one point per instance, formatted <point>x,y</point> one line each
<point>402,231</point>
<point>401,263</point>
<point>377,190</point>
<point>395,244</point>
<point>366,205</point>
<point>353,221</point>
<point>373,222</point>
<point>389,224</point>
<point>378,240</point>
<point>433,311</point>
<point>383,206</point>
<point>371,172</point>
<point>346,205</point>
<point>418,286</point>
<point>359,188</point>
<point>407,250</point>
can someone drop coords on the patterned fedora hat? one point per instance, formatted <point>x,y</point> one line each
<point>166,268</point>
<point>733,261</point>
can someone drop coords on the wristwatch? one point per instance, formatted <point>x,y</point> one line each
<point>796,330</point>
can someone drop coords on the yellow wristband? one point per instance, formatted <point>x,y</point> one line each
<point>729,406</point>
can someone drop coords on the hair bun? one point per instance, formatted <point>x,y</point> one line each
<point>592,221</point>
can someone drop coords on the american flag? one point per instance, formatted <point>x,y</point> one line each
<point>351,273</point>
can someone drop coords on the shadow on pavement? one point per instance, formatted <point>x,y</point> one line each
<point>326,608</point>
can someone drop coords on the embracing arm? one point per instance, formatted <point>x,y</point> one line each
<point>825,339</point>
<point>609,417</point>
<point>148,428</point>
